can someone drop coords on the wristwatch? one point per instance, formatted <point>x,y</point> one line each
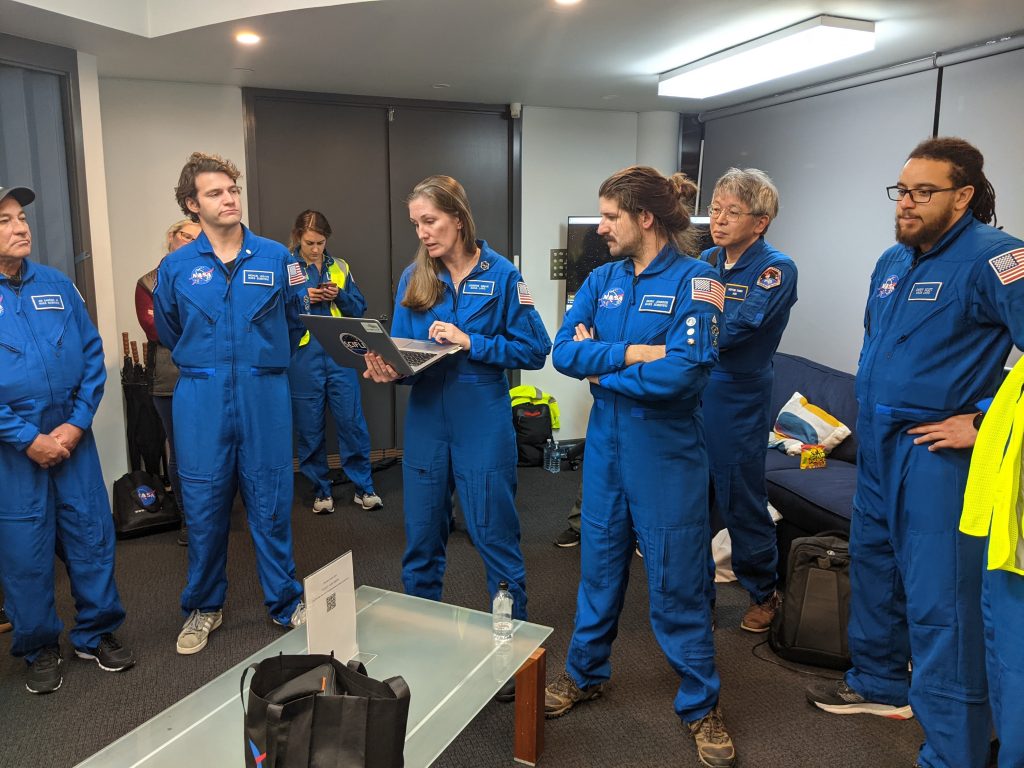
<point>978,418</point>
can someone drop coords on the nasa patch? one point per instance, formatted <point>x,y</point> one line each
<point>888,286</point>
<point>354,344</point>
<point>1,306</point>
<point>611,299</point>
<point>145,495</point>
<point>201,275</point>
<point>770,278</point>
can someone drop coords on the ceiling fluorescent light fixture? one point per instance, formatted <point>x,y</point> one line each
<point>812,43</point>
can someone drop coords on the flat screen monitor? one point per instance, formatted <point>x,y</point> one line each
<point>586,250</point>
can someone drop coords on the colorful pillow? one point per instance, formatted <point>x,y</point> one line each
<point>800,423</point>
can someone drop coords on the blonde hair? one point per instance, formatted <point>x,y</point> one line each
<point>174,229</point>
<point>425,288</point>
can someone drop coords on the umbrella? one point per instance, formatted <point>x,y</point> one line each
<point>144,431</point>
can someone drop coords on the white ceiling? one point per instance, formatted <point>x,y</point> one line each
<point>600,54</point>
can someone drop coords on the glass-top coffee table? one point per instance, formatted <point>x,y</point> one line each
<point>444,652</point>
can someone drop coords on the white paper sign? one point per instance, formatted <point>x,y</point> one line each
<point>331,610</point>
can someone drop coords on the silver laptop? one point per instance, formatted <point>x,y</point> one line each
<point>348,339</point>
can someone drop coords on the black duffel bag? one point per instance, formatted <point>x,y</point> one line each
<point>315,712</point>
<point>810,626</point>
<point>142,506</point>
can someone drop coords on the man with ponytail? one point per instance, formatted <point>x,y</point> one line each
<point>945,306</point>
<point>644,332</point>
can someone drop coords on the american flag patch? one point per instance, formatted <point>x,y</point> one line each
<point>296,274</point>
<point>1009,266</point>
<point>524,294</point>
<point>706,289</point>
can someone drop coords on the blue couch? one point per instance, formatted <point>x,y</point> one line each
<point>812,500</point>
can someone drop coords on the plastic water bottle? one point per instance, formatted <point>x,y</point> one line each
<point>552,456</point>
<point>501,617</point>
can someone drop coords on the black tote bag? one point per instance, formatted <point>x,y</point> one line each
<point>315,712</point>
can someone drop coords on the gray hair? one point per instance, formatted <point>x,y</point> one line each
<point>754,188</point>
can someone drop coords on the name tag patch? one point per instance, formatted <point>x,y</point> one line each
<point>478,288</point>
<point>258,277</point>
<point>48,301</point>
<point>735,292</point>
<point>924,291</point>
<point>655,303</point>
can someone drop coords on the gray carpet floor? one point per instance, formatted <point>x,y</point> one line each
<point>632,725</point>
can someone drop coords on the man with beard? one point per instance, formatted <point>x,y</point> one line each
<point>945,306</point>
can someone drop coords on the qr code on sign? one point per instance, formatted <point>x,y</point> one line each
<point>332,601</point>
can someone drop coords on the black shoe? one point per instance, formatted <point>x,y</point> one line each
<point>570,537</point>
<point>507,692</point>
<point>5,623</point>
<point>109,654</point>
<point>44,675</point>
<point>183,536</point>
<point>836,697</point>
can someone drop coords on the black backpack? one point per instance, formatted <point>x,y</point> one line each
<point>532,423</point>
<point>810,626</point>
<point>142,506</point>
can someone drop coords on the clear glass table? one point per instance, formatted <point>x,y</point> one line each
<point>444,652</point>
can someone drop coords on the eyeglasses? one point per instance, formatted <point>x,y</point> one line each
<point>729,214</point>
<point>185,236</point>
<point>897,193</point>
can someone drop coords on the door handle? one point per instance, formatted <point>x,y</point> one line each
<point>383,317</point>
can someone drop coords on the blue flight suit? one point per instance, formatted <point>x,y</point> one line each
<point>51,373</point>
<point>458,427</point>
<point>317,381</point>
<point>760,290</point>
<point>231,334</point>
<point>937,331</point>
<point>645,468</point>
<point>1003,608</point>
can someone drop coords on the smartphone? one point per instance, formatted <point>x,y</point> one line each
<point>326,283</point>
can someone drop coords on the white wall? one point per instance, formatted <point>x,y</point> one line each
<point>149,130</point>
<point>567,153</point>
<point>108,425</point>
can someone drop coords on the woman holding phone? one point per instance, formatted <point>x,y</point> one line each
<point>458,428</point>
<point>317,381</point>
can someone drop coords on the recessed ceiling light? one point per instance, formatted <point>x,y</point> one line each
<point>566,2</point>
<point>441,85</point>
<point>247,38</point>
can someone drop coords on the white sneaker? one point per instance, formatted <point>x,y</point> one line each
<point>369,501</point>
<point>196,631</point>
<point>298,617</point>
<point>323,505</point>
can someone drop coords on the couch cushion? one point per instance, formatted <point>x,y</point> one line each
<point>826,387</point>
<point>828,490</point>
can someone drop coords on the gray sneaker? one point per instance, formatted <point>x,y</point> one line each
<point>196,631</point>
<point>563,694</point>
<point>369,500</point>
<point>323,505</point>
<point>714,745</point>
<point>298,617</point>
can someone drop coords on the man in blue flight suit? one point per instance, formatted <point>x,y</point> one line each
<point>945,306</point>
<point>644,332</point>
<point>760,290</point>
<point>227,306</point>
<point>51,382</point>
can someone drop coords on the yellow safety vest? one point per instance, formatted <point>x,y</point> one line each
<point>524,393</point>
<point>338,271</point>
<point>992,501</point>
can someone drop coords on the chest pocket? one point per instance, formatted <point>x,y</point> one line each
<point>917,316</point>
<point>13,370</point>
<point>264,305</point>
<point>479,302</point>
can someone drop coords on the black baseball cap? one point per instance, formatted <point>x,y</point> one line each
<point>23,195</point>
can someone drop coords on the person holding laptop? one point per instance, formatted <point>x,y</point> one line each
<point>459,424</point>
<point>317,381</point>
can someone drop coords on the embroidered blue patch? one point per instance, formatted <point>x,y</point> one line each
<point>147,496</point>
<point>258,277</point>
<point>48,301</point>
<point>660,304</point>
<point>735,292</point>
<point>924,292</point>
<point>478,288</point>
<point>201,275</point>
<point>888,286</point>
<point>612,299</point>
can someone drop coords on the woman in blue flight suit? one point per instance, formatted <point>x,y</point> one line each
<point>315,377</point>
<point>760,290</point>
<point>459,424</point>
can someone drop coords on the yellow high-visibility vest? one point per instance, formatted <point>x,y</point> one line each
<point>992,502</point>
<point>338,271</point>
<point>524,393</point>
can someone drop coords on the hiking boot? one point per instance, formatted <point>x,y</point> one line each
<point>369,500</point>
<point>109,654</point>
<point>570,537</point>
<point>297,619</point>
<point>196,631</point>
<point>758,617</point>
<point>44,675</point>
<point>323,505</point>
<point>837,697</point>
<point>563,694</point>
<point>5,623</point>
<point>714,745</point>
